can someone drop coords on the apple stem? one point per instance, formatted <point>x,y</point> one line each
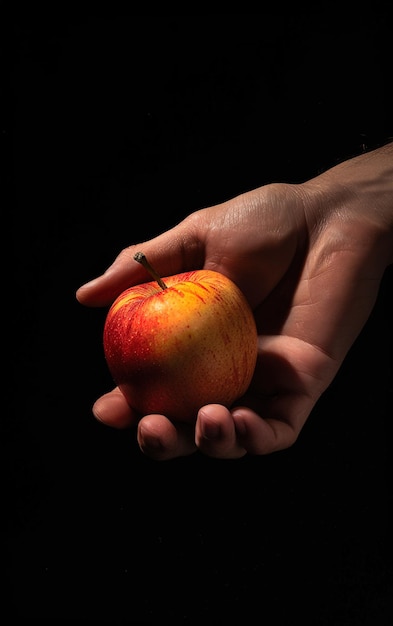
<point>141,258</point>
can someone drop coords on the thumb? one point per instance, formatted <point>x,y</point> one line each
<point>172,252</point>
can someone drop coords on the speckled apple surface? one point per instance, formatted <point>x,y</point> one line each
<point>173,350</point>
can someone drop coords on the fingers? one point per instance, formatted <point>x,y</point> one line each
<point>262,436</point>
<point>215,433</point>
<point>162,440</point>
<point>113,410</point>
<point>225,434</point>
<point>157,437</point>
<point>170,253</point>
<point>218,432</point>
<point>123,272</point>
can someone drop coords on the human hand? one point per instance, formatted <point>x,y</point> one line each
<point>310,259</point>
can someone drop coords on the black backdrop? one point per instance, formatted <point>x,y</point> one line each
<point>122,125</point>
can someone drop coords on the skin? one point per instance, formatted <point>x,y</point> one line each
<point>310,259</point>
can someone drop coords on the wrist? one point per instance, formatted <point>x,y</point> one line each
<point>356,197</point>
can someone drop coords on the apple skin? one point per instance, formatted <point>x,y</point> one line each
<point>173,350</point>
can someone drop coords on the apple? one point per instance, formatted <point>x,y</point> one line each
<point>175,344</point>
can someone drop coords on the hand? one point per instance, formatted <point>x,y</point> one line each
<point>310,259</point>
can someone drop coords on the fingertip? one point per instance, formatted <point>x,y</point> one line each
<point>215,433</point>
<point>161,440</point>
<point>211,420</point>
<point>213,412</point>
<point>155,438</point>
<point>82,293</point>
<point>261,436</point>
<point>113,410</point>
<point>102,290</point>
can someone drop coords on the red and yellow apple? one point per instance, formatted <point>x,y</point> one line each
<point>175,344</point>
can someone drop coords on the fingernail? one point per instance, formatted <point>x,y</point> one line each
<point>147,442</point>
<point>210,430</point>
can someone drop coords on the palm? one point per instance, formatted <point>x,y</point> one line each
<point>307,325</point>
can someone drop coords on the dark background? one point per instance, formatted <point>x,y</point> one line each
<point>121,125</point>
